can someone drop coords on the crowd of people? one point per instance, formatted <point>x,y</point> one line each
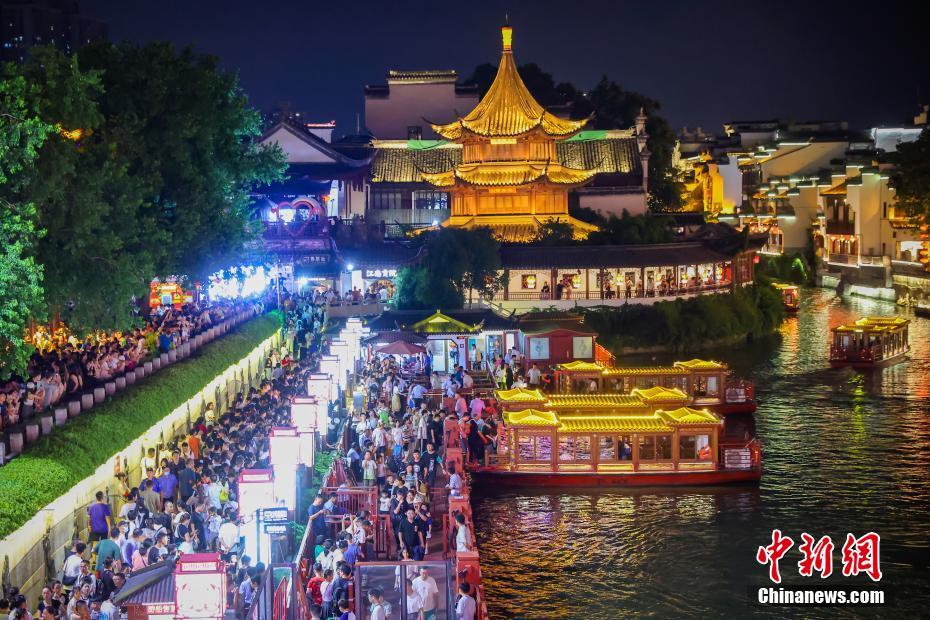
<point>63,366</point>
<point>185,502</point>
<point>396,446</point>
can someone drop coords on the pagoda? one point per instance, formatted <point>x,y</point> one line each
<point>510,178</point>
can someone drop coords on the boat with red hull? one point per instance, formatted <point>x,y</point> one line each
<point>870,342</point>
<point>639,479</point>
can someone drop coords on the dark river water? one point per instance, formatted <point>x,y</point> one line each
<point>844,451</point>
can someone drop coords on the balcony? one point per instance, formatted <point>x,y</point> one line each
<point>836,227</point>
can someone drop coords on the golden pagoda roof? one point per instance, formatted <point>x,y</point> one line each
<point>599,401</point>
<point>645,370</point>
<point>687,415</point>
<point>508,108</point>
<point>520,395</point>
<point>531,417</point>
<point>501,174</point>
<point>614,424</point>
<point>580,365</point>
<point>659,393</point>
<point>697,364</point>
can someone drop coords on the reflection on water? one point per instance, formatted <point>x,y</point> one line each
<point>844,451</point>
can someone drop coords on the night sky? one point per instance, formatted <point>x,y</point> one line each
<point>706,62</point>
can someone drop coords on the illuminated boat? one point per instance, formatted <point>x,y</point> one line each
<point>615,439</point>
<point>790,296</point>
<point>870,342</point>
<point>706,384</point>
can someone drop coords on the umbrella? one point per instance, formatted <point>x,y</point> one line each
<point>400,348</point>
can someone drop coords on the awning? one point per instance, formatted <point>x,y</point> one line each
<point>400,348</point>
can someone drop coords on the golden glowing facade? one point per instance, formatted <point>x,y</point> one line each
<point>509,177</point>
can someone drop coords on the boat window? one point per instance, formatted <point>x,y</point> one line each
<point>575,448</point>
<point>647,447</point>
<point>694,448</point>
<point>606,449</point>
<point>663,447</point>
<point>535,448</point>
<point>712,387</point>
<point>625,447</point>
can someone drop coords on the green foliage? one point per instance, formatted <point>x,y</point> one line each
<point>613,107</point>
<point>553,232</point>
<point>633,229</point>
<point>687,324</point>
<point>21,135</point>
<point>456,260</point>
<point>912,177</point>
<point>73,452</point>
<point>158,182</point>
<point>785,268</point>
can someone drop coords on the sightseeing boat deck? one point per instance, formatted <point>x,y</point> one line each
<point>705,384</point>
<point>870,342</point>
<point>646,438</point>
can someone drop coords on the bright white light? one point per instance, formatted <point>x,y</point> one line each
<point>237,283</point>
<point>350,267</point>
<point>435,222</point>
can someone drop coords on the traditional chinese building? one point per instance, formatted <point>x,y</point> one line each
<point>508,164</point>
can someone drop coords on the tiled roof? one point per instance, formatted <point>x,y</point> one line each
<point>687,415</point>
<point>150,585</point>
<point>609,155</point>
<point>613,424</point>
<point>662,394</point>
<point>387,337</point>
<point>697,364</point>
<point>531,417</point>
<point>592,401</point>
<point>394,162</point>
<point>403,319</point>
<point>520,395</point>
<point>581,366</point>
<point>645,370</point>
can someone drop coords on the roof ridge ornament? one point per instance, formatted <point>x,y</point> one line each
<point>507,36</point>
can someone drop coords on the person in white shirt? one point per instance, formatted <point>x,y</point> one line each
<point>477,407</point>
<point>425,586</point>
<point>414,603</point>
<point>228,536</point>
<point>468,382</point>
<point>463,535</point>
<point>467,607</point>
<point>455,481</point>
<point>534,376</point>
<point>378,606</point>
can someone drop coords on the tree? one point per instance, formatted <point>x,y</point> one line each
<point>554,232</point>
<point>21,135</point>
<point>912,177</point>
<point>456,261</point>
<point>193,146</point>
<point>633,230</point>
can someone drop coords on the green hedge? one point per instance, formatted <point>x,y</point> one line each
<point>687,324</point>
<point>73,452</point>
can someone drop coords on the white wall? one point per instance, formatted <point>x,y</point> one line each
<point>387,118</point>
<point>297,150</point>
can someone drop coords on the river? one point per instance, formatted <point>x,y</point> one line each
<point>844,451</point>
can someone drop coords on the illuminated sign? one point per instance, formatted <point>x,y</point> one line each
<point>275,528</point>
<point>200,587</point>
<point>370,274</point>
<point>275,515</point>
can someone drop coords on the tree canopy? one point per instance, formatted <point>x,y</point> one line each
<point>613,107</point>
<point>149,175</point>
<point>456,260</point>
<point>912,177</point>
<point>22,133</point>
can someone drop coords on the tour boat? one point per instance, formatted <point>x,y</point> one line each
<point>704,384</point>
<point>790,296</point>
<point>614,439</point>
<point>922,309</point>
<point>870,342</point>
